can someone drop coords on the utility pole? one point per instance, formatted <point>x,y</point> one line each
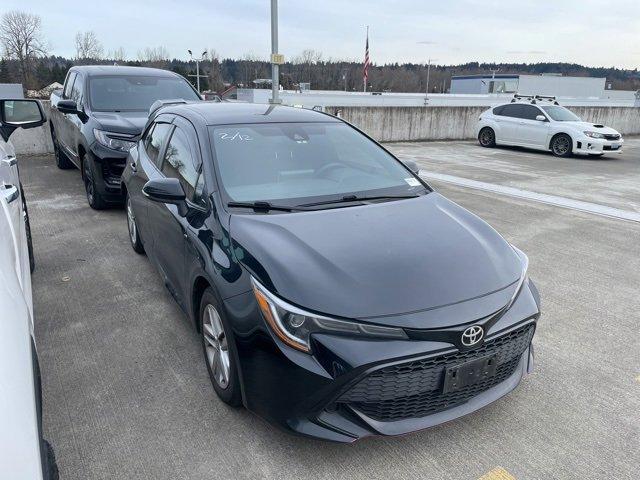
<point>197,75</point>
<point>344,77</point>
<point>276,58</point>
<point>428,73</point>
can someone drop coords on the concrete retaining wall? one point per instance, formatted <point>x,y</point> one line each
<point>398,124</point>
<point>35,141</point>
<point>391,124</point>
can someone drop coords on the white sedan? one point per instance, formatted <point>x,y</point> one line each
<point>542,124</point>
<point>24,455</point>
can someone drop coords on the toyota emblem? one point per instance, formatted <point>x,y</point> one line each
<point>472,335</point>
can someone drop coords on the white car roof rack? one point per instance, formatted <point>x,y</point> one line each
<point>534,99</point>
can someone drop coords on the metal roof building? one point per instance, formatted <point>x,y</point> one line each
<point>576,87</point>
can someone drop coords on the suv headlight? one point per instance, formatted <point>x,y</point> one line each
<point>294,326</point>
<point>115,141</point>
<point>594,134</point>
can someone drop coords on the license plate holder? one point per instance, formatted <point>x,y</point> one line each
<point>469,373</point>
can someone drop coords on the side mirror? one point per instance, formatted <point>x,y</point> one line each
<point>167,190</point>
<point>411,165</point>
<point>20,114</point>
<point>541,118</point>
<point>68,106</point>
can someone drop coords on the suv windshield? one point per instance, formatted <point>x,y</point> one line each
<point>560,114</point>
<point>136,93</point>
<point>297,163</point>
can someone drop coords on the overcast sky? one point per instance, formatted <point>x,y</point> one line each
<point>589,32</point>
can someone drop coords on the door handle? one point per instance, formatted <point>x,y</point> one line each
<point>10,161</point>
<point>10,193</point>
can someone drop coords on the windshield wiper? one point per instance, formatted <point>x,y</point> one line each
<point>355,198</point>
<point>266,206</point>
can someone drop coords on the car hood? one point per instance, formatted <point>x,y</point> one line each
<point>123,122</point>
<point>387,262</point>
<point>593,127</point>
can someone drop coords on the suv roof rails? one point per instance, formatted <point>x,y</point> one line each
<point>534,98</point>
<point>158,104</point>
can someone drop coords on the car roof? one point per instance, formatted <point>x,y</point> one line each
<point>96,70</point>
<point>224,113</point>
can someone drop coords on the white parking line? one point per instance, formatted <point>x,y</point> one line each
<point>579,205</point>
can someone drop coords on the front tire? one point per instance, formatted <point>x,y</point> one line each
<point>94,198</point>
<point>219,348</point>
<point>562,145</point>
<point>62,161</point>
<point>487,137</point>
<point>134,232</point>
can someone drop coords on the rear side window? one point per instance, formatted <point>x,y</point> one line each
<point>179,162</point>
<point>154,140</point>
<point>512,110</point>
<point>498,110</point>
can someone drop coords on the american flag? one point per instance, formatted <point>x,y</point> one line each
<point>367,62</point>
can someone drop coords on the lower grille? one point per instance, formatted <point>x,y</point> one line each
<point>414,389</point>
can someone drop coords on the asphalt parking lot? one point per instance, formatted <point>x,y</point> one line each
<point>126,393</point>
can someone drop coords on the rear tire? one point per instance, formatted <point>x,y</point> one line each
<point>562,145</point>
<point>218,345</point>
<point>134,232</point>
<point>94,198</point>
<point>62,161</point>
<point>487,137</point>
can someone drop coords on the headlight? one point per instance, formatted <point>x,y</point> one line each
<point>523,275</point>
<point>294,326</point>
<point>115,141</point>
<point>594,134</point>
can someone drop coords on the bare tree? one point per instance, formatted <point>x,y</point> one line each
<point>21,38</point>
<point>88,47</point>
<point>119,55</point>
<point>155,56</point>
<point>214,75</point>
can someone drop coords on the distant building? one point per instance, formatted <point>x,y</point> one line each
<point>552,84</point>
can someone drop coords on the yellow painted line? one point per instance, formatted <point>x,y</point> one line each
<point>497,473</point>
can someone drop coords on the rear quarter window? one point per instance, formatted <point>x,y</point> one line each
<point>498,110</point>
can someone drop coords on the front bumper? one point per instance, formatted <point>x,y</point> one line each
<point>352,388</point>
<point>109,167</point>
<point>584,145</point>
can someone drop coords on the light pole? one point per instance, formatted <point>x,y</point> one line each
<point>276,59</point>
<point>197,75</point>
<point>428,73</point>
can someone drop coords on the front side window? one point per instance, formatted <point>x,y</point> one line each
<point>128,93</point>
<point>529,112</point>
<point>560,114</point>
<point>66,93</point>
<point>179,162</point>
<point>154,140</point>
<point>76,90</point>
<point>295,163</point>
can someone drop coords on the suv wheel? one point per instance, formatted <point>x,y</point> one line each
<point>62,161</point>
<point>93,196</point>
<point>562,145</point>
<point>134,233</point>
<point>487,137</point>
<point>218,347</point>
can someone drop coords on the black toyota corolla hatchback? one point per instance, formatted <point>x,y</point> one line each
<point>337,295</point>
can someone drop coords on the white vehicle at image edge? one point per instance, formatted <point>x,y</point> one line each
<point>541,123</point>
<point>24,454</point>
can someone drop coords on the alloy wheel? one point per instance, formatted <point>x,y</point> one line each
<point>216,346</point>
<point>131,222</point>
<point>486,137</point>
<point>561,146</point>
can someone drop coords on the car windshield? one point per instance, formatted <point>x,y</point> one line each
<point>560,114</point>
<point>298,163</point>
<point>136,93</point>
